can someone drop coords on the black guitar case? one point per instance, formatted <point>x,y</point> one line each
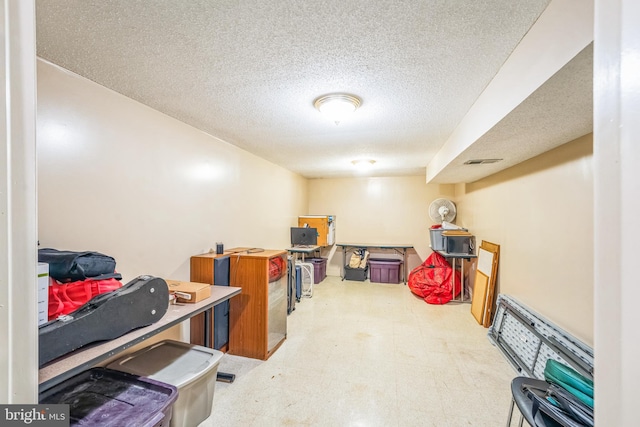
<point>141,302</point>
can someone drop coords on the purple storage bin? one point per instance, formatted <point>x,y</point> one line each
<point>109,398</point>
<point>384,270</point>
<point>319,269</point>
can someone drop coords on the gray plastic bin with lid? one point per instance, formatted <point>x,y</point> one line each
<point>190,368</point>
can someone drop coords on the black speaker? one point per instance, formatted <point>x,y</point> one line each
<point>221,311</point>
<point>221,271</point>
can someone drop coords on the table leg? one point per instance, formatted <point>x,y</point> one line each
<point>344,261</point>
<point>461,279</point>
<point>207,328</point>
<point>404,265</point>
<point>453,279</point>
<point>220,376</point>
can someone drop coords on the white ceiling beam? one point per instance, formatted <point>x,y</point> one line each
<point>559,34</point>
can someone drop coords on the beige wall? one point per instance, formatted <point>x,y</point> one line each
<point>541,214</point>
<point>393,210</point>
<point>121,178</point>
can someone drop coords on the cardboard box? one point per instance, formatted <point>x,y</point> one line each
<point>456,233</point>
<point>198,291</point>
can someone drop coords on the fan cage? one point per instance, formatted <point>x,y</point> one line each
<point>434,210</point>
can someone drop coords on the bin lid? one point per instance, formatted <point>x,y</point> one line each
<point>384,260</point>
<point>110,398</point>
<point>171,362</point>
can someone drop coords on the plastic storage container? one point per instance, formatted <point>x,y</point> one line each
<point>110,398</point>
<point>319,269</point>
<point>190,368</point>
<point>460,244</point>
<point>357,274</point>
<point>384,270</point>
<point>438,242</point>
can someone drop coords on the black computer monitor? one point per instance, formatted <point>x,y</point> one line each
<point>304,236</point>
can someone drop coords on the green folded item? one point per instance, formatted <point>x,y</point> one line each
<point>569,379</point>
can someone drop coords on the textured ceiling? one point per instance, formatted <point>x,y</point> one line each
<point>538,124</point>
<point>248,71</point>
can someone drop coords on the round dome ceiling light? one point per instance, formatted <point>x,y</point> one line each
<point>337,106</point>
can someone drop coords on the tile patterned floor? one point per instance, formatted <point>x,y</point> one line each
<point>369,354</point>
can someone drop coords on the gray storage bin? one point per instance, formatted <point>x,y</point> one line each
<point>190,368</point>
<point>437,239</point>
<point>357,274</point>
<point>460,244</point>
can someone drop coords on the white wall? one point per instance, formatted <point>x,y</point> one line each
<point>392,210</point>
<point>616,95</point>
<point>541,214</point>
<point>120,178</point>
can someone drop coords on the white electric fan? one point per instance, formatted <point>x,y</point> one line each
<point>441,210</point>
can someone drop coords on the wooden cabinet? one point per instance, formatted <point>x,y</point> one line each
<point>258,315</point>
<point>325,224</point>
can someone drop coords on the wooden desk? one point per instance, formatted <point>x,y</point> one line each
<point>400,249</point>
<point>86,357</point>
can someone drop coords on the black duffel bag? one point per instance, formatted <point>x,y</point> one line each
<point>69,266</point>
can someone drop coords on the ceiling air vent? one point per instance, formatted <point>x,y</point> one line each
<point>481,161</point>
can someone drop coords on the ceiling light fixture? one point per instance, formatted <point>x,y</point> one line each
<point>337,106</point>
<point>363,163</point>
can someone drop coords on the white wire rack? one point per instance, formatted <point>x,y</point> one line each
<point>306,274</point>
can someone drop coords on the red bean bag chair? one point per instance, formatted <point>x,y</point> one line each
<point>431,280</point>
